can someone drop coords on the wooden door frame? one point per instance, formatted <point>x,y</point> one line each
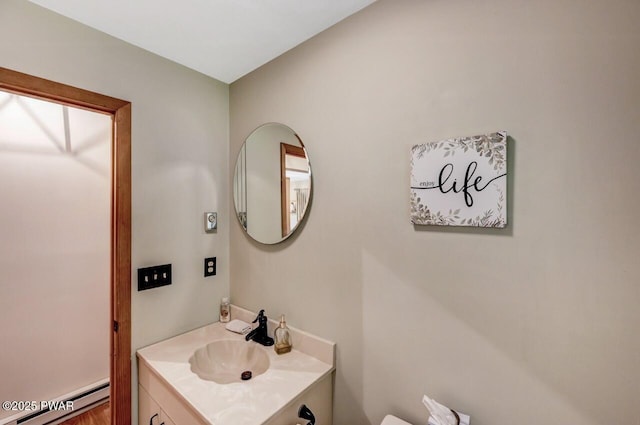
<point>120,110</point>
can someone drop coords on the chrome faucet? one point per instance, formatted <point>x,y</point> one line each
<point>259,334</point>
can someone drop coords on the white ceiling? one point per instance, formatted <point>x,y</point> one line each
<point>224,39</point>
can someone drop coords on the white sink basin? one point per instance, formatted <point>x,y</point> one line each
<point>225,360</point>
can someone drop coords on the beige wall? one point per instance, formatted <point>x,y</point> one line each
<point>536,323</point>
<point>179,153</point>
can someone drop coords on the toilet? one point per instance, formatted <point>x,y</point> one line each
<point>392,420</point>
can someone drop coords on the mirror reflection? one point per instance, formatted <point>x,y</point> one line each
<point>272,183</point>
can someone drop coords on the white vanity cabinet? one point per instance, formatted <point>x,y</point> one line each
<point>156,396</point>
<point>149,412</point>
<point>318,398</point>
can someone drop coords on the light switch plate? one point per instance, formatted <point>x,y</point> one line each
<point>153,277</point>
<point>210,222</point>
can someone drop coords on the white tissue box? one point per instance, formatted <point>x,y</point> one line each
<point>464,419</point>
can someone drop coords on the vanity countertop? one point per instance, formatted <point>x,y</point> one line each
<point>250,402</point>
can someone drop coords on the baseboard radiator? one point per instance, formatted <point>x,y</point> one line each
<point>82,400</point>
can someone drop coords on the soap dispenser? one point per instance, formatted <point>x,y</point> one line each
<point>225,310</point>
<point>282,337</point>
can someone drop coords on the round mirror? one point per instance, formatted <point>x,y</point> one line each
<point>272,183</point>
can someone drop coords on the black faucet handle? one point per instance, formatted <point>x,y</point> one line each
<point>259,317</point>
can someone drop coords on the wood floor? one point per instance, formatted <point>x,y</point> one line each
<point>100,415</point>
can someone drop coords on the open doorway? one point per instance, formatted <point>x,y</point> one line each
<point>295,186</point>
<point>118,234</point>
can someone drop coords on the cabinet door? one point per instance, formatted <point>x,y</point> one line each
<point>148,410</point>
<point>164,419</point>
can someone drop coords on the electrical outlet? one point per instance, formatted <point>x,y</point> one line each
<point>153,277</point>
<point>210,266</point>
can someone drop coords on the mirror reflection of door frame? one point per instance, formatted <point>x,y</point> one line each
<point>120,110</point>
<point>286,149</point>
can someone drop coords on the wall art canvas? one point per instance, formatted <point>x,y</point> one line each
<point>460,182</point>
